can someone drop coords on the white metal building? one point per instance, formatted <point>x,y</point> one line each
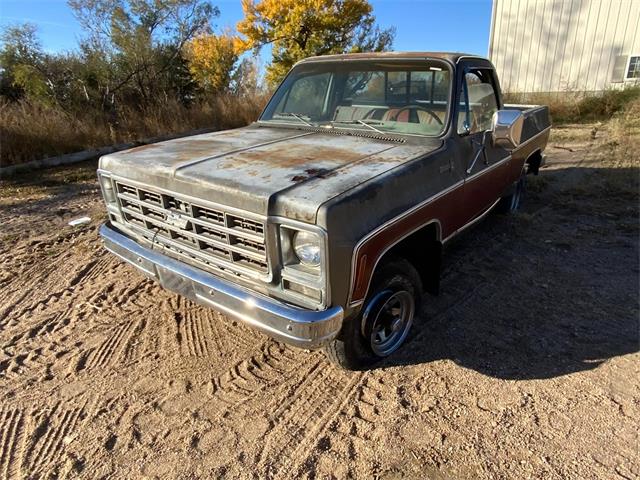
<point>565,45</point>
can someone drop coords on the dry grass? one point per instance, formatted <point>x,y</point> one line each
<point>568,107</point>
<point>32,131</point>
<point>614,160</point>
<point>624,137</point>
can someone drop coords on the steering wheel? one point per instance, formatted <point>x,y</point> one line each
<point>418,107</point>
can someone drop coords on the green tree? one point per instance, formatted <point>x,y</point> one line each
<point>135,47</point>
<point>20,61</point>
<point>301,28</point>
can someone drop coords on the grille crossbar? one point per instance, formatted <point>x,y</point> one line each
<point>211,237</point>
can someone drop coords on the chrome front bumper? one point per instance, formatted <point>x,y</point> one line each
<point>295,326</point>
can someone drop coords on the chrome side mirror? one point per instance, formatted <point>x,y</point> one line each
<point>506,130</point>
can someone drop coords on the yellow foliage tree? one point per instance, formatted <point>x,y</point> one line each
<point>301,28</point>
<point>212,59</point>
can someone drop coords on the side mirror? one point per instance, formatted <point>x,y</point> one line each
<point>506,130</point>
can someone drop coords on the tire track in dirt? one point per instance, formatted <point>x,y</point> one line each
<point>12,428</point>
<point>49,325</point>
<point>315,434</point>
<point>55,276</point>
<point>121,293</point>
<point>247,378</point>
<point>295,421</point>
<point>53,431</point>
<point>215,326</point>
<point>112,349</point>
<point>194,333</point>
<point>202,332</point>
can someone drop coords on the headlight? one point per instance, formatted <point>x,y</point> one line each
<point>307,248</point>
<point>107,189</point>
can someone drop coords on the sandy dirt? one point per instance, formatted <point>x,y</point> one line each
<point>526,366</point>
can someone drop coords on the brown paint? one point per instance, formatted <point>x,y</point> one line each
<point>453,210</point>
<point>442,209</point>
<point>481,191</point>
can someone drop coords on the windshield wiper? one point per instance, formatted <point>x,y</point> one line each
<point>297,116</point>
<point>367,124</point>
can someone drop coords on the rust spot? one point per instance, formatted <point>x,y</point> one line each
<point>194,149</point>
<point>291,154</point>
<point>320,172</point>
<point>314,172</point>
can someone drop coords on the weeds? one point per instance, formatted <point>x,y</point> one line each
<point>574,108</point>
<point>30,131</point>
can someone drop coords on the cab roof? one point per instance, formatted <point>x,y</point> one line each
<point>453,57</point>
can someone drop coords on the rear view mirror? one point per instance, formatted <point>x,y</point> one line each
<point>506,129</point>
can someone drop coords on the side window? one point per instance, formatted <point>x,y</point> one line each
<point>478,102</point>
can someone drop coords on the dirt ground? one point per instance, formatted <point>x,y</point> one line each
<point>526,366</point>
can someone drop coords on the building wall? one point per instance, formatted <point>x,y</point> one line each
<point>563,45</point>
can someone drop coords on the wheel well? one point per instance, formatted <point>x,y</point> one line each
<point>534,162</point>
<point>423,249</point>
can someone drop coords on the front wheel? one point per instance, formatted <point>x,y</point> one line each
<point>385,320</point>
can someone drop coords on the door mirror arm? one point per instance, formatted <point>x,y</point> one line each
<point>481,151</point>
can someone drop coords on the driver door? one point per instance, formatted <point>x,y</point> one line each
<point>487,166</point>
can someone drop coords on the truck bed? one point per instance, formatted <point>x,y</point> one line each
<point>536,119</point>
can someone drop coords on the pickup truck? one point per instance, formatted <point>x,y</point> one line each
<point>323,223</point>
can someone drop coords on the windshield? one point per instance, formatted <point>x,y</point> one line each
<point>388,97</point>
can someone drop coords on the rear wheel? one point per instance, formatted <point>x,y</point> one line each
<point>512,202</point>
<point>384,321</point>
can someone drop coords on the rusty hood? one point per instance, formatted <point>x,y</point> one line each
<point>265,170</point>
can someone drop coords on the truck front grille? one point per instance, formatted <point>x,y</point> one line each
<point>211,238</point>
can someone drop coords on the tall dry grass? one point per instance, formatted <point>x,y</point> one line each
<point>30,131</point>
<point>615,154</point>
<point>571,107</point>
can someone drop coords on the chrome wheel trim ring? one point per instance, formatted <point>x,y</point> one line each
<point>392,323</point>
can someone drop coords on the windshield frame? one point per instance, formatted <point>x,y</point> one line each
<point>430,61</point>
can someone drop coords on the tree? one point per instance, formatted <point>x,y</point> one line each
<point>245,80</point>
<point>136,46</point>
<point>20,59</point>
<point>212,59</point>
<point>301,28</point>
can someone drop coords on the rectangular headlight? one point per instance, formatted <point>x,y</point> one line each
<point>304,262</point>
<point>108,192</point>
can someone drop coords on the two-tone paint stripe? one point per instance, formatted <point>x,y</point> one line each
<point>361,268</point>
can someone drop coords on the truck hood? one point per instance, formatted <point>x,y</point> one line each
<point>265,170</point>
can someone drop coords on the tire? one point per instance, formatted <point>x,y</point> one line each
<point>385,320</point>
<point>511,203</point>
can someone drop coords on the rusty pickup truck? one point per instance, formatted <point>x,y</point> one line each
<point>322,224</point>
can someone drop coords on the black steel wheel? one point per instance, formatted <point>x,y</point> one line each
<point>389,323</point>
<point>384,323</point>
